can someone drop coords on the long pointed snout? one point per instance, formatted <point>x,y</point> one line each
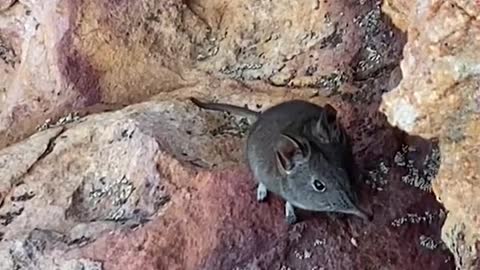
<point>359,213</point>
<point>353,209</point>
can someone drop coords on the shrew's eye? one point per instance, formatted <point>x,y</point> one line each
<point>318,185</point>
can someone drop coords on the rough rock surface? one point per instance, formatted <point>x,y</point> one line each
<point>161,184</point>
<point>439,96</point>
<point>59,56</point>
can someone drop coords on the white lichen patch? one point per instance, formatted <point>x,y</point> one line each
<point>305,254</point>
<point>319,242</point>
<point>296,234</point>
<point>377,178</point>
<point>418,178</point>
<point>69,118</point>
<point>413,218</point>
<point>428,242</point>
<point>234,126</point>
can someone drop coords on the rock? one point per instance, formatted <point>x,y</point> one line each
<point>36,253</point>
<point>6,4</point>
<point>270,41</point>
<point>82,54</point>
<point>281,78</point>
<point>18,161</point>
<point>439,97</point>
<point>97,176</point>
<point>162,185</point>
<point>61,56</point>
<point>399,11</point>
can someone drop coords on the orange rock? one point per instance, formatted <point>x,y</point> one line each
<point>439,97</point>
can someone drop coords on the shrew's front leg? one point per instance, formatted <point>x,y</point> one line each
<point>290,216</point>
<point>261,192</point>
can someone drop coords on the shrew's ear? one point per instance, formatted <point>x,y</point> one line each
<point>330,113</point>
<point>326,129</point>
<point>289,152</point>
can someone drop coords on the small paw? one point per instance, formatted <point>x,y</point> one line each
<point>261,192</point>
<point>292,219</point>
<point>290,216</point>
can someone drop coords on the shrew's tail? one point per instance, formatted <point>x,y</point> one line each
<point>225,108</point>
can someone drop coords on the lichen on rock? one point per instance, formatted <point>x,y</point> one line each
<point>438,97</point>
